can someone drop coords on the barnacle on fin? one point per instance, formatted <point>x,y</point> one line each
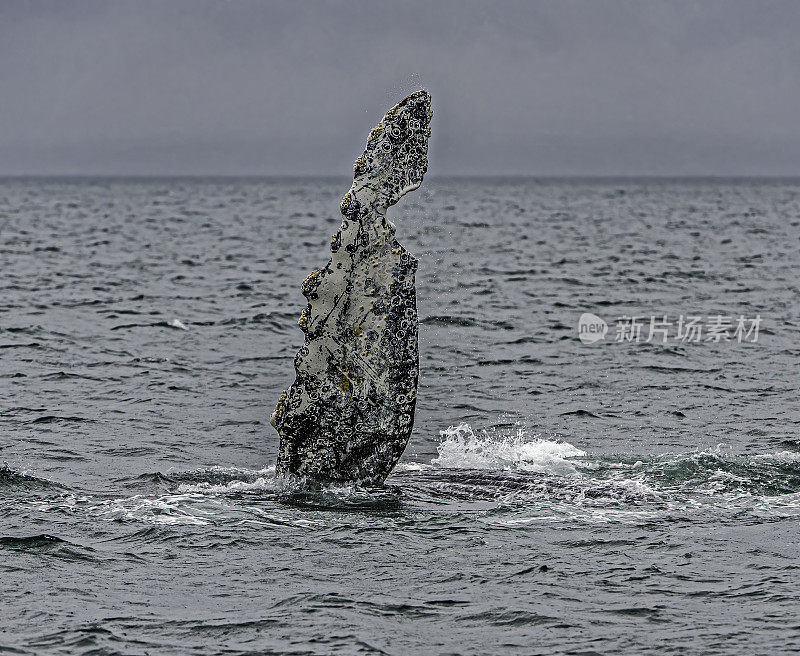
<point>303,320</point>
<point>360,165</point>
<point>376,132</point>
<point>277,413</point>
<point>346,202</point>
<point>311,281</point>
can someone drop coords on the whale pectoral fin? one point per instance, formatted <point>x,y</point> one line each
<point>396,155</point>
<point>349,414</point>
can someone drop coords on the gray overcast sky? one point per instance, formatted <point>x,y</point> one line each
<point>598,87</point>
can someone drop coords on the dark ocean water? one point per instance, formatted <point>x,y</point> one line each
<point>556,497</point>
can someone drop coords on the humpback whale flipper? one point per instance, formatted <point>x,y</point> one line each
<point>348,415</point>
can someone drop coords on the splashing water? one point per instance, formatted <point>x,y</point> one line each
<point>461,448</point>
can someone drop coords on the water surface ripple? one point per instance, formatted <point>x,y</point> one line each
<point>555,498</point>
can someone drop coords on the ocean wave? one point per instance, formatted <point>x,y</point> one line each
<point>44,544</point>
<point>509,471</point>
<point>720,471</point>
<point>220,494</point>
<point>13,480</point>
<point>537,478</point>
<point>265,483</point>
<point>221,479</point>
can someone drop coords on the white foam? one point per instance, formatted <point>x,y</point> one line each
<point>170,509</point>
<point>412,467</point>
<point>241,480</point>
<point>259,484</point>
<point>782,457</point>
<point>461,448</point>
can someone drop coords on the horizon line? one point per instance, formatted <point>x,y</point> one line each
<point>442,176</point>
